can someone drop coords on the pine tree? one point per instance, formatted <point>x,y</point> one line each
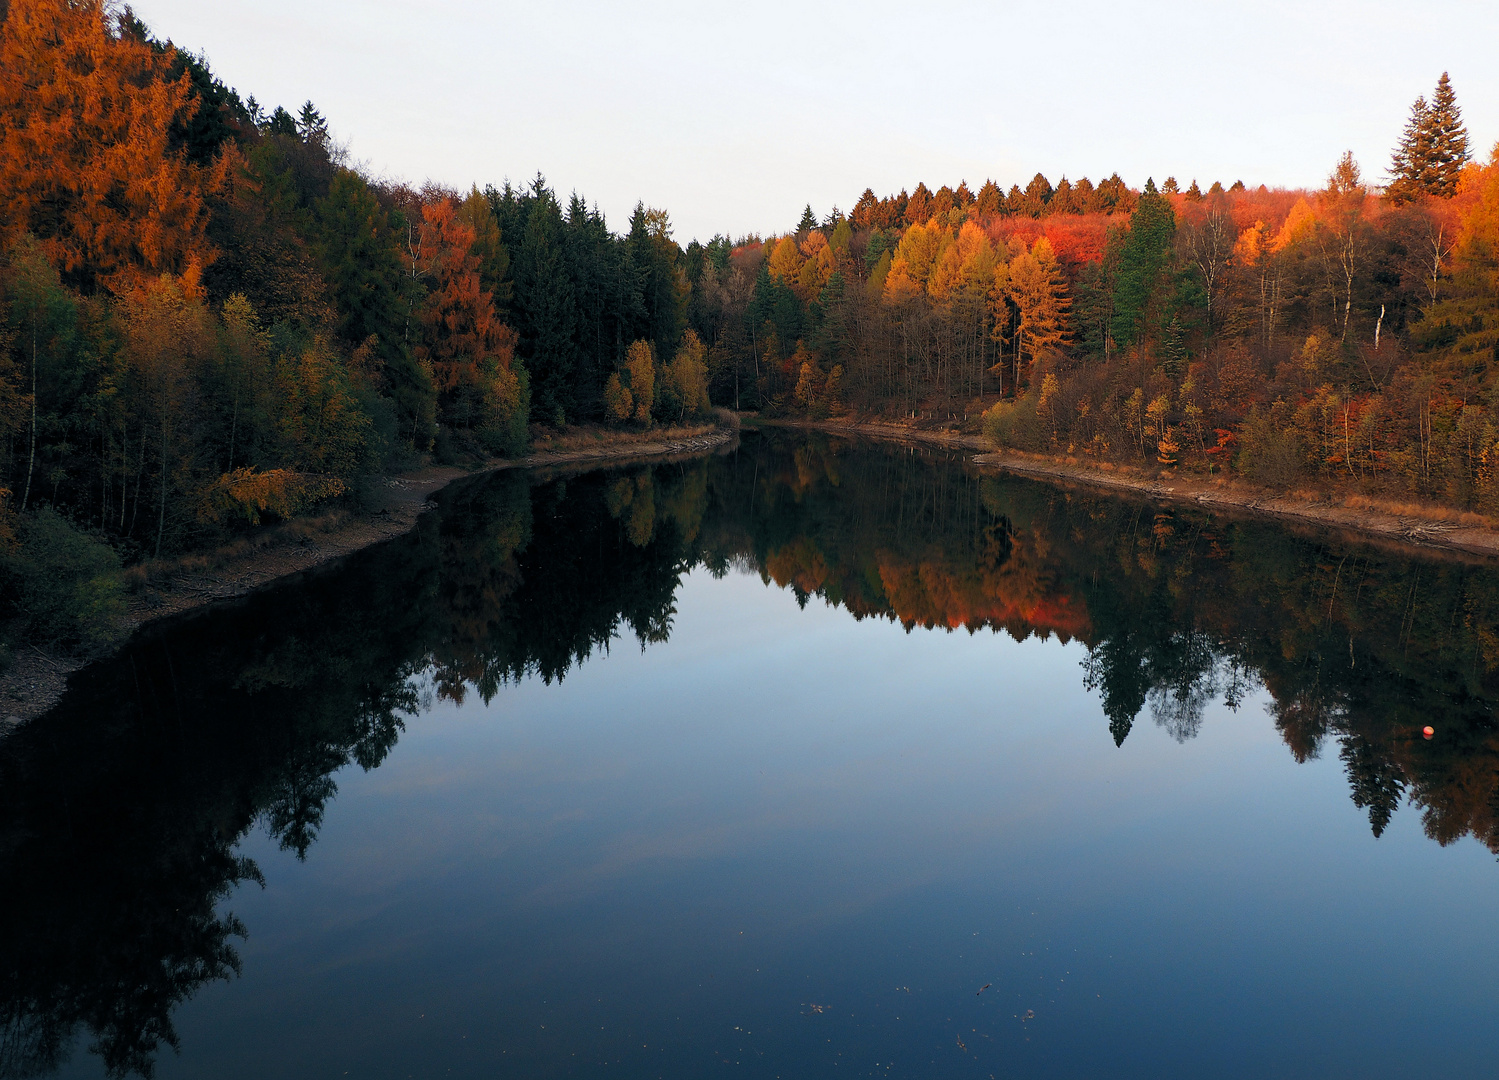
<point>312,126</point>
<point>1143,267</point>
<point>1411,162</point>
<point>1433,148</point>
<point>808,221</point>
<point>1449,140</point>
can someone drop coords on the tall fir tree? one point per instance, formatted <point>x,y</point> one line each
<point>1410,163</point>
<point>1449,140</point>
<point>1433,148</point>
<point>1143,265</point>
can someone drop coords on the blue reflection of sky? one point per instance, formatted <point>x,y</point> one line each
<point>789,844</point>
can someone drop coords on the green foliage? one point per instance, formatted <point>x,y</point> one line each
<point>1144,262</point>
<point>62,583</point>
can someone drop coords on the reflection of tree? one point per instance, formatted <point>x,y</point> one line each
<point>120,810</point>
<point>1177,610</point>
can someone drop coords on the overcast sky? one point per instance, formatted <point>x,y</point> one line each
<point>733,116</point>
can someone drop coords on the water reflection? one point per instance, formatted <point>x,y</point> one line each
<point>121,811</point>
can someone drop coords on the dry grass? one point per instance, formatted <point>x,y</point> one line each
<point>1420,511</point>
<point>592,438</point>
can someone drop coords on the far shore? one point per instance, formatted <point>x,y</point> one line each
<point>37,678</point>
<point>1368,520</point>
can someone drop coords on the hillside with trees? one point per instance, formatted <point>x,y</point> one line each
<point>210,320</point>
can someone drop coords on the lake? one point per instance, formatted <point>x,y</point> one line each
<point>811,758</point>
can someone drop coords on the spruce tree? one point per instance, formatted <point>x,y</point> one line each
<point>808,221</point>
<point>1144,263</point>
<point>1449,140</point>
<point>1411,163</point>
<point>1433,148</point>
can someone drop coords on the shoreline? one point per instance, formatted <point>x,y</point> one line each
<point>36,678</point>
<point>1218,495</point>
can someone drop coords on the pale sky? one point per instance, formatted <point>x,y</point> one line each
<point>733,116</point>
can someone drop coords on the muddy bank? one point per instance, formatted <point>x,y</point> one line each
<point>1432,529</point>
<point>392,504</point>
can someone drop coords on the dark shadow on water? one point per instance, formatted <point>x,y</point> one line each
<point>121,810</point>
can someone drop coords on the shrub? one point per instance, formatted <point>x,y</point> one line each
<point>65,585</point>
<point>1015,424</point>
<point>1270,453</point>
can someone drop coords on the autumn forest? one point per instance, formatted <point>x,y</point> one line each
<point>209,318</point>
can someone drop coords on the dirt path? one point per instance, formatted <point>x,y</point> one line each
<point>1215,494</point>
<point>36,678</point>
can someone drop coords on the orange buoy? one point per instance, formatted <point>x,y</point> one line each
<point>1428,731</point>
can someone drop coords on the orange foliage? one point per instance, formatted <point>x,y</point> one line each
<point>1075,238</point>
<point>247,494</point>
<point>86,162</point>
<point>464,331</point>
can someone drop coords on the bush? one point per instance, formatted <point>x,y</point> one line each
<point>1015,424</point>
<point>64,584</point>
<point>1270,453</point>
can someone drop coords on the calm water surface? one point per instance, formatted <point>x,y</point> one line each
<point>808,760</point>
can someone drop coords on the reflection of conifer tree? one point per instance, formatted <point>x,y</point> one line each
<point>1376,780</point>
<point>1116,668</point>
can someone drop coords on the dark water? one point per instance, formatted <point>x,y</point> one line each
<point>766,764</point>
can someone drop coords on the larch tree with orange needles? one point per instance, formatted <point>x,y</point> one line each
<point>87,161</point>
<point>471,352</point>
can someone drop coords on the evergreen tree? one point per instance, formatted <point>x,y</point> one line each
<point>312,126</point>
<point>663,285</point>
<point>545,309</point>
<point>808,221</point>
<point>1410,165</point>
<point>1433,148</point>
<point>1143,264</point>
<point>359,249</point>
<point>1449,140</point>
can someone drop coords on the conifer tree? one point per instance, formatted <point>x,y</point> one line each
<point>1433,148</point>
<point>1449,140</point>
<point>808,221</point>
<point>1411,163</point>
<point>1143,265</point>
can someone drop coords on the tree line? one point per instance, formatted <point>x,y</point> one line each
<point>211,319</point>
<point>208,318</point>
<point>1338,337</point>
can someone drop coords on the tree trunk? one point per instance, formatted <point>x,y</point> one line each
<point>31,460</point>
<point>161,512</point>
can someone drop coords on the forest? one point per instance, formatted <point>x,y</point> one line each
<point>210,319</point>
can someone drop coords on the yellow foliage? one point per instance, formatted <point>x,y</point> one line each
<point>806,384</point>
<point>248,494</point>
<point>322,422</point>
<point>640,366</point>
<point>1034,284</point>
<point>915,257</point>
<point>1478,241</point>
<point>684,380</point>
<point>786,261</point>
<point>617,400</point>
<point>967,263</point>
<point>1299,224</point>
